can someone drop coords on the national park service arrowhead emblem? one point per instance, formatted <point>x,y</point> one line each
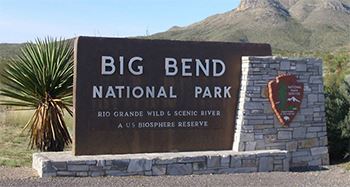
<point>286,95</point>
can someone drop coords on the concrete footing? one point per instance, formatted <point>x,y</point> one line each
<point>52,164</point>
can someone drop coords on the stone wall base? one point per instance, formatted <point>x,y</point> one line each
<point>257,127</point>
<point>62,164</point>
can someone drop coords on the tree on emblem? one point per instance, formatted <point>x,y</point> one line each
<point>282,95</point>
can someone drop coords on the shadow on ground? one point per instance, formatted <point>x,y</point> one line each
<point>309,169</point>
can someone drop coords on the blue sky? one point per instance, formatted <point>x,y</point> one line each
<point>24,20</point>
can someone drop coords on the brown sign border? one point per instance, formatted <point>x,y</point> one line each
<point>87,142</point>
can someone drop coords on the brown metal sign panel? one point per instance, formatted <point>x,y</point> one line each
<point>286,95</point>
<point>137,96</point>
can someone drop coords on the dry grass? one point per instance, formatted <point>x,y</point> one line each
<point>14,150</point>
<point>346,166</point>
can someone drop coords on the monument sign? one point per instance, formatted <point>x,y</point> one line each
<point>149,96</point>
<point>134,96</point>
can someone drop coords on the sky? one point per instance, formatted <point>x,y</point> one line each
<point>26,20</point>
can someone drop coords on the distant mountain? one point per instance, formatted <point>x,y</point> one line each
<point>8,51</point>
<point>294,25</point>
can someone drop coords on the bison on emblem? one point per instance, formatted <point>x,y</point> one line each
<point>286,95</point>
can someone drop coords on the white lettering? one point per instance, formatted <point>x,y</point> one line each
<point>97,92</point>
<point>107,63</point>
<point>170,67</point>
<point>186,66</point>
<point>215,69</point>
<point>199,65</point>
<point>194,66</point>
<point>227,92</point>
<point>150,92</point>
<point>217,92</point>
<point>212,92</point>
<point>197,90</point>
<point>162,93</point>
<point>207,93</point>
<point>121,65</point>
<point>110,92</point>
<point>119,90</point>
<point>139,70</point>
<point>134,92</point>
<point>172,95</point>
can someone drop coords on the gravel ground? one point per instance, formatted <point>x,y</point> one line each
<point>332,176</point>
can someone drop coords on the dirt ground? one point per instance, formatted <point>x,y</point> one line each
<point>328,176</point>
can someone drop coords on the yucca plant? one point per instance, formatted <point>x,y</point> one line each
<point>41,78</point>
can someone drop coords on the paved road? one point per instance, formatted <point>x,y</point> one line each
<point>334,176</point>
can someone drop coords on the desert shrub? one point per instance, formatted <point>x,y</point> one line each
<point>338,120</point>
<point>41,78</point>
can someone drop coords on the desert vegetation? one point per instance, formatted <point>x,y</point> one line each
<point>337,94</point>
<point>40,78</point>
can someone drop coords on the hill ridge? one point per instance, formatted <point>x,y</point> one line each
<point>286,24</point>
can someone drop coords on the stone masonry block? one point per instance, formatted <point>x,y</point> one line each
<point>82,174</point>
<point>249,163</point>
<point>253,106</point>
<point>66,173</point>
<point>286,162</point>
<point>285,65</point>
<point>91,162</point>
<point>301,152</point>
<point>213,162</point>
<point>319,151</point>
<point>265,164</point>
<point>199,166</point>
<point>312,98</point>
<point>277,167</point>
<point>191,159</point>
<point>325,159</point>
<point>47,167</point>
<point>97,173</point>
<point>316,162</point>
<point>324,141</point>
<point>60,166</point>
<point>316,79</point>
<point>311,135</point>
<point>236,162</point>
<point>120,164</point>
<point>299,132</point>
<point>95,168</point>
<point>250,146</point>
<point>270,138</point>
<point>301,67</point>
<point>115,173</point>
<point>225,161</point>
<point>101,163</point>
<point>247,137</point>
<point>76,162</point>
<point>165,161</point>
<point>308,143</point>
<point>78,168</point>
<point>284,135</point>
<point>139,165</point>
<point>315,129</point>
<point>159,170</point>
<point>303,160</point>
<point>179,169</point>
<point>292,146</point>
